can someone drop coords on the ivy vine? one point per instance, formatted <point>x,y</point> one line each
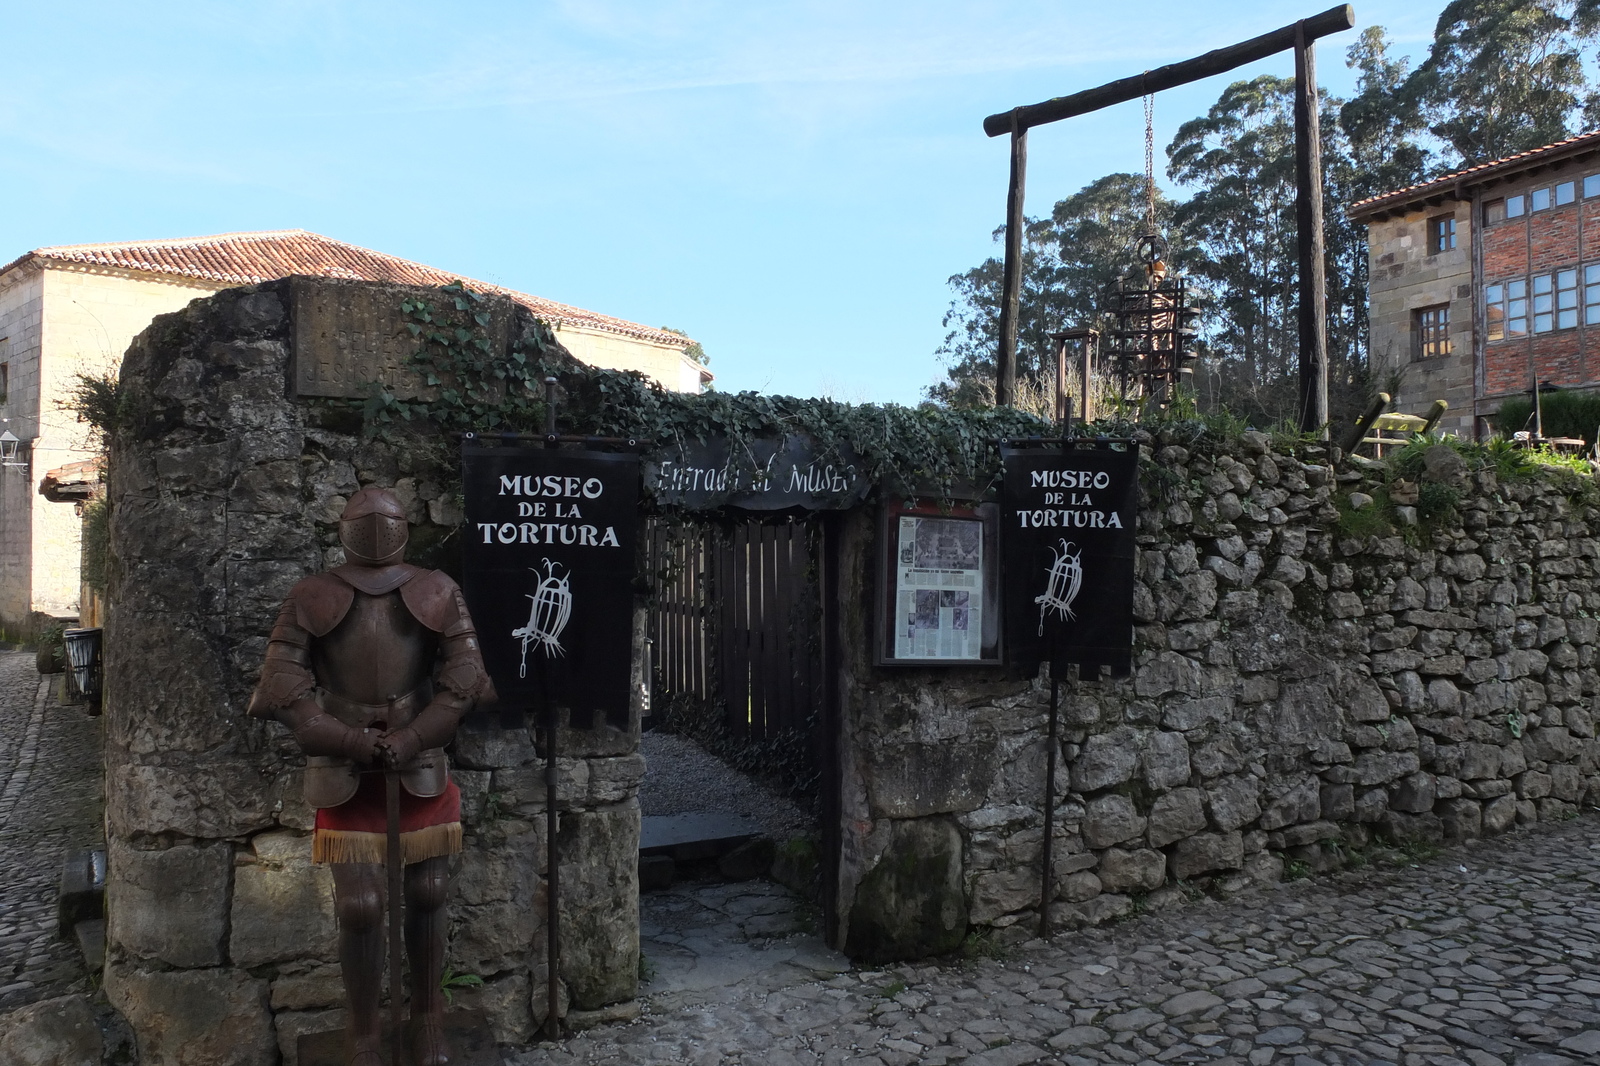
<point>473,386</point>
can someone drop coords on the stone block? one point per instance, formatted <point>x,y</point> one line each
<point>999,892</point>
<point>1414,794</point>
<point>1131,871</point>
<point>1205,853</point>
<point>493,748</point>
<point>216,1017</point>
<point>1566,783</point>
<point>910,904</point>
<point>1371,805</point>
<point>1106,760</point>
<point>1174,815</point>
<point>1166,761</point>
<point>1075,888</point>
<point>292,1025</point>
<point>51,1032</point>
<point>1111,820</point>
<point>1338,802</point>
<point>1296,801</point>
<point>1168,672</point>
<point>282,904</point>
<point>1531,784</point>
<point>1461,819</point>
<point>1194,713</point>
<point>1234,802</point>
<point>1406,828</point>
<point>599,905</point>
<point>913,780</point>
<point>506,1003</point>
<point>169,905</point>
<point>319,988</point>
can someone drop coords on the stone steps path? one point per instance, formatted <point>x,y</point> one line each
<point>1486,954</point>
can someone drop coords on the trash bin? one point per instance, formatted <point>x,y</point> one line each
<point>83,663</point>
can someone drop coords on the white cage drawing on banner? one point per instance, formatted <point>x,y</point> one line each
<point>1062,585</point>
<point>547,616</point>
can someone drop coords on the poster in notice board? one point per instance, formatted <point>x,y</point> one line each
<point>1070,512</point>
<point>548,568</point>
<point>939,604</point>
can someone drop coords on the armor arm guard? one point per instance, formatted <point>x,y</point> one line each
<point>463,681</point>
<point>286,676</point>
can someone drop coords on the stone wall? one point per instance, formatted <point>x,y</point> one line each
<point>225,491</point>
<point>1308,683</point>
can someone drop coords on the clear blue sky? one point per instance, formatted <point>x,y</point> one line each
<point>790,183</point>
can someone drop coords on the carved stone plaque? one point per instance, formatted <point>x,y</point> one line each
<point>350,336</point>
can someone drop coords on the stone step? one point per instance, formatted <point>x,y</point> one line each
<point>82,896</point>
<point>725,845</point>
<point>698,835</point>
<point>91,936</point>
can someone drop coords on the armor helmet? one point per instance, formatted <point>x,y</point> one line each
<point>373,528</point>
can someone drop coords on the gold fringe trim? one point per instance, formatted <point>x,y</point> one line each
<point>345,845</point>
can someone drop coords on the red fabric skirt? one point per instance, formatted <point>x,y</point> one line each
<point>357,829</point>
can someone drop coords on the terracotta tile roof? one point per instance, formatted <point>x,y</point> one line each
<point>74,482</point>
<point>1473,175</point>
<point>249,258</point>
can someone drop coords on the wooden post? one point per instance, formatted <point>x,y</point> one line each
<point>1005,384</point>
<point>1063,401</point>
<point>1308,224</point>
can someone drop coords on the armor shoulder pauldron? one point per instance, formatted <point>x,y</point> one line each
<point>321,601</point>
<point>432,599</point>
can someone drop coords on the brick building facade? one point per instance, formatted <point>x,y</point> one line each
<point>1486,280</point>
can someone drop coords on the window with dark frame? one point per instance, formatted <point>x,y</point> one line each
<point>1591,294</point>
<point>1441,234</point>
<point>1433,331</point>
<point>1516,206</point>
<point>1591,186</point>
<point>1540,199</point>
<point>5,378</point>
<point>1494,211</point>
<point>1566,192</point>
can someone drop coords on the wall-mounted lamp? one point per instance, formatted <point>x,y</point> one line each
<point>8,447</point>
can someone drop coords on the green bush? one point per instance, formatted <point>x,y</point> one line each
<point>1567,413</point>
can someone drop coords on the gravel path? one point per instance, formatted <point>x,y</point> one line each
<point>683,777</point>
<point>51,799</point>
<point>1488,955</point>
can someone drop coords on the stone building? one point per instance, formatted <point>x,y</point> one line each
<point>1484,280</point>
<point>74,309</point>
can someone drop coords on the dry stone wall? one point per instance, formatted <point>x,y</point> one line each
<point>1300,693</point>
<point>225,491</point>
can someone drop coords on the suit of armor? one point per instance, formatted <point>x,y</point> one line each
<point>372,664</point>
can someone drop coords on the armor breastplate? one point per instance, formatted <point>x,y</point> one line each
<point>378,657</point>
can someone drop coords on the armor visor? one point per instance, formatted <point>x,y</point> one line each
<point>375,539</point>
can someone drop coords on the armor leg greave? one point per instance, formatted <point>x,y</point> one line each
<point>358,902</point>
<point>427,885</point>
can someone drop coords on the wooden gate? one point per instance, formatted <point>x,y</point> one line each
<point>738,623</point>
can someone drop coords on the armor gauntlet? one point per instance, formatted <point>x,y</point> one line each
<point>323,734</point>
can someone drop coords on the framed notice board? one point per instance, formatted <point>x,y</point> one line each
<point>938,598</point>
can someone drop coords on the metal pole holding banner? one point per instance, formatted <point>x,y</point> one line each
<point>1045,893</point>
<point>552,1019</point>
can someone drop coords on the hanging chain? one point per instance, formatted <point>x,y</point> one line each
<point>1150,162</point>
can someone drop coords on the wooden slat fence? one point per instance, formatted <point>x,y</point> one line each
<point>738,620</point>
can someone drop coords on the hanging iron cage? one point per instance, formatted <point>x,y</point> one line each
<point>1150,348</point>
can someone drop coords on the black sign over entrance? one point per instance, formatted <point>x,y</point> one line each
<point>1068,528</point>
<point>774,475</point>
<point>548,575</point>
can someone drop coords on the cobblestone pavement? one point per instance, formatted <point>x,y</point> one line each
<point>1485,954</point>
<point>50,800</point>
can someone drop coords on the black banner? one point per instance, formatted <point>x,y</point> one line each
<point>548,575</point>
<point>1067,530</point>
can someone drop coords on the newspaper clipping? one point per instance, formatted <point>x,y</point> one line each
<point>939,589</point>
